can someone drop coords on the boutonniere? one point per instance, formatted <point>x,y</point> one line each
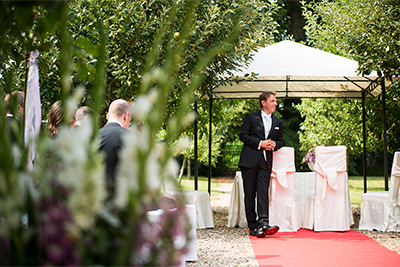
<point>276,128</point>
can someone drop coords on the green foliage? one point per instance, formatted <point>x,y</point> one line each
<point>365,31</point>
<point>56,213</point>
<point>331,122</point>
<point>131,28</point>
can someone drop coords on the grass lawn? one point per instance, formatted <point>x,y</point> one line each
<point>202,185</point>
<point>356,186</point>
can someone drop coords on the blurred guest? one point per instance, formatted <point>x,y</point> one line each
<point>14,105</point>
<point>82,115</point>
<point>55,118</point>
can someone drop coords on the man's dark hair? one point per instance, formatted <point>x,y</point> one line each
<point>264,96</point>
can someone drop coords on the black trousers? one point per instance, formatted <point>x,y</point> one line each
<point>256,188</point>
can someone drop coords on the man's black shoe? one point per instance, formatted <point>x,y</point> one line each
<point>253,232</point>
<point>267,230</point>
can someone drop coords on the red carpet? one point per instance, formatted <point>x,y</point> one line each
<point>309,248</point>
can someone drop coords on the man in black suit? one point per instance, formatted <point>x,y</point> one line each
<point>261,134</point>
<point>118,120</point>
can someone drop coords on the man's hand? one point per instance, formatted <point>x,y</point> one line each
<point>268,144</point>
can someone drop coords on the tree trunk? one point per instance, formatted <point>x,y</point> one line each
<point>182,169</point>
<point>297,21</point>
<point>188,168</point>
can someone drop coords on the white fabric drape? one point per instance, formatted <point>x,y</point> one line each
<point>33,113</point>
<point>284,209</point>
<point>328,167</point>
<point>280,176</point>
<point>201,200</point>
<point>237,212</point>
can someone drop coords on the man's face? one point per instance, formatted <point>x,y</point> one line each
<point>270,104</point>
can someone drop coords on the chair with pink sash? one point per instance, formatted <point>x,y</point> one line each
<point>329,209</point>
<point>284,209</point>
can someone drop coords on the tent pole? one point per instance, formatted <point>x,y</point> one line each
<point>209,146</point>
<point>385,157</point>
<point>364,142</point>
<point>196,171</point>
<point>287,85</point>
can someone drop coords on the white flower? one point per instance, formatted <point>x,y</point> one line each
<point>153,96</point>
<point>182,145</point>
<point>153,168</point>
<point>81,170</point>
<point>128,170</point>
<point>189,118</point>
<point>141,108</point>
<point>172,168</point>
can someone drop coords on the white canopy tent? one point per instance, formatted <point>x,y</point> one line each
<point>294,70</point>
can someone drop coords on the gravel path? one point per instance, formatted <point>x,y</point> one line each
<point>226,246</point>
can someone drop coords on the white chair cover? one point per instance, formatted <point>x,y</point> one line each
<point>284,210</point>
<point>329,209</point>
<point>201,200</point>
<point>237,212</point>
<point>381,210</point>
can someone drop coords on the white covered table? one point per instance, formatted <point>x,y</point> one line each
<point>201,200</point>
<point>304,184</point>
<point>237,213</point>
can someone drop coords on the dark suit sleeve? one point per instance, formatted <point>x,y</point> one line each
<point>279,139</point>
<point>245,133</point>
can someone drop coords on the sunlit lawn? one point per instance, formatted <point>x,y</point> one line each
<point>202,185</point>
<point>356,186</point>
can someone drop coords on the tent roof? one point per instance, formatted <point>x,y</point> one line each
<point>294,70</point>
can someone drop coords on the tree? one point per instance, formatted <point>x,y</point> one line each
<point>366,32</point>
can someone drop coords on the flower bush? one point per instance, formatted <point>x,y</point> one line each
<point>310,155</point>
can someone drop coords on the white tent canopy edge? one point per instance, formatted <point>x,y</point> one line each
<point>295,70</point>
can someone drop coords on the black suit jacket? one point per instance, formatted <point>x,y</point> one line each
<point>15,130</point>
<point>111,144</point>
<point>252,132</point>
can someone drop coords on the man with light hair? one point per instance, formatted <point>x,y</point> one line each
<point>82,115</point>
<point>118,120</point>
